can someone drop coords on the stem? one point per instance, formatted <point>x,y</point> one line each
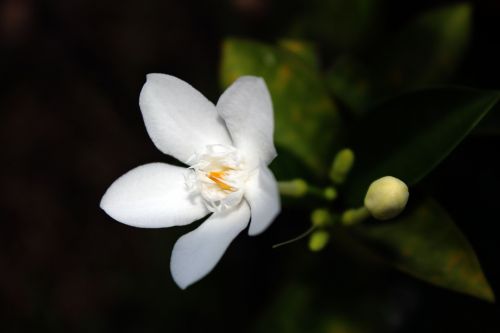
<point>354,216</point>
<point>299,237</point>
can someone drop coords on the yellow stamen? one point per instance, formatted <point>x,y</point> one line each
<point>217,177</point>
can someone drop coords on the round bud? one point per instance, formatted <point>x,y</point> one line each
<point>330,193</point>
<point>386,198</point>
<point>321,217</point>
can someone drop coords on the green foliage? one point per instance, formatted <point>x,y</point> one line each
<point>333,292</point>
<point>337,24</point>
<point>490,126</point>
<point>290,312</point>
<point>305,50</point>
<point>296,310</point>
<point>404,137</point>
<point>424,242</point>
<point>427,51</point>
<point>307,122</point>
<point>409,135</point>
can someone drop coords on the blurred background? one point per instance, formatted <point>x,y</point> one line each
<point>71,73</point>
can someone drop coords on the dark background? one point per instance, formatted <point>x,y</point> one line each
<point>71,72</point>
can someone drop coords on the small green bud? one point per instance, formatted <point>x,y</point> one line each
<point>321,217</point>
<point>330,193</point>
<point>294,188</point>
<point>342,164</point>
<point>318,240</point>
<point>386,198</point>
<point>354,216</point>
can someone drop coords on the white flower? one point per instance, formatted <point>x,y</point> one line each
<point>227,148</point>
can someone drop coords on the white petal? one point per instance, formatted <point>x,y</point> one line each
<point>263,196</point>
<point>247,109</point>
<point>196,253</point>
<point>178,118</point>
<point>152,196</point>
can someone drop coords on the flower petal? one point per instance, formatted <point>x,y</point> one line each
<point>178,118</point>
<point>263,196</point>
<point>247,109</point>
<point>152,196</point>
<point>196,253</point>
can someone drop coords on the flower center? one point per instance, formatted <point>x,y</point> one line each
<point>218,178</point>
<point>218,174</point>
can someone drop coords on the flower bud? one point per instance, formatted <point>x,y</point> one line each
<point>294,188</point>
<point>318,240</point>
<point>330,193</point>
<point>386,198</point>
<point>321,218</point>
<point>341,165</point>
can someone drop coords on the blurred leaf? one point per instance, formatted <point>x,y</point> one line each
<point>289,312</point>
<point>302,49</point>
<point>427,51</point>
<point>490,126</point>
<point>411,134</point>
<point>425,243</point>
<point>306,120</point>
<point>335,292</point>
<point>337,24</point>
<point>300,307</point>
<point>288,165</point>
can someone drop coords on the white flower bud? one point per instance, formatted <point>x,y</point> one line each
<point>386,198</point>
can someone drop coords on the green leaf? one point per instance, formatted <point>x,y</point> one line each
<point>490,126</point>
<point>306,120</point>
<point>305,50</point>
<point>411,134</point>
<point>292,302</point>
<point>427,51</point>
<point>337,24</point>
<point>425,243</point>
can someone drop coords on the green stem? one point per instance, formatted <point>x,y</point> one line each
<point>299,237</point>
<point>355,216</point>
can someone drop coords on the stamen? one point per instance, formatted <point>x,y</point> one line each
<point>218,174</point>
<point>217,177</point>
